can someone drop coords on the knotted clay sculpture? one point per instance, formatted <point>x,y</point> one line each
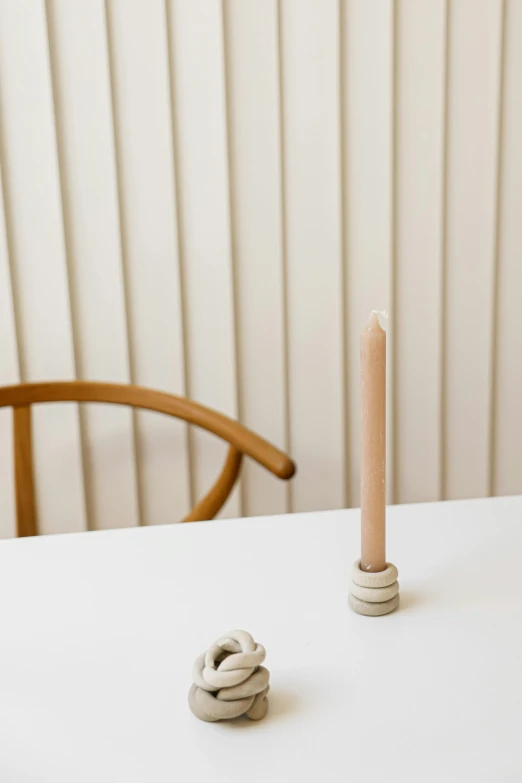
<point>229,680</point>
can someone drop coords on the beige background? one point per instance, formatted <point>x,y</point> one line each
<point>209,198</point>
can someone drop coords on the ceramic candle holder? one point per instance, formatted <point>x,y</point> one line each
<point>374,594</point>
<point>229,680</point>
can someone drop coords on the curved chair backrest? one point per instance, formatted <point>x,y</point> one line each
<point>241,440</point>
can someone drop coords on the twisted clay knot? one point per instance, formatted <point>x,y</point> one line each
<point>229,680</point>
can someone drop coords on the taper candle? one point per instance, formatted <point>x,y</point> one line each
<point>373,446</point>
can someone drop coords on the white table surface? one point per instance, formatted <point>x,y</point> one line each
<point>99,632</point>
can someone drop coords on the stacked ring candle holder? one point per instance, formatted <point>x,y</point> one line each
<point>374,593</point>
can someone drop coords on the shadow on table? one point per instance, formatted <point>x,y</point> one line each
<point>463,586</point>
<point>409,599</point>
<point>282,702</point>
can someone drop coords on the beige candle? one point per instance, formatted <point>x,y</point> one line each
<point>373,446</point>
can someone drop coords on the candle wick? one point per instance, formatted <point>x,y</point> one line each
<point>384,313</point>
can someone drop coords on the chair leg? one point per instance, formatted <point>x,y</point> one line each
<point>23,467</point>
<point>208,507</point>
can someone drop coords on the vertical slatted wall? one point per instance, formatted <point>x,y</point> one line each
<point>208,197</point>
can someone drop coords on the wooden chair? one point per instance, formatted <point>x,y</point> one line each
<point>241,440</point>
